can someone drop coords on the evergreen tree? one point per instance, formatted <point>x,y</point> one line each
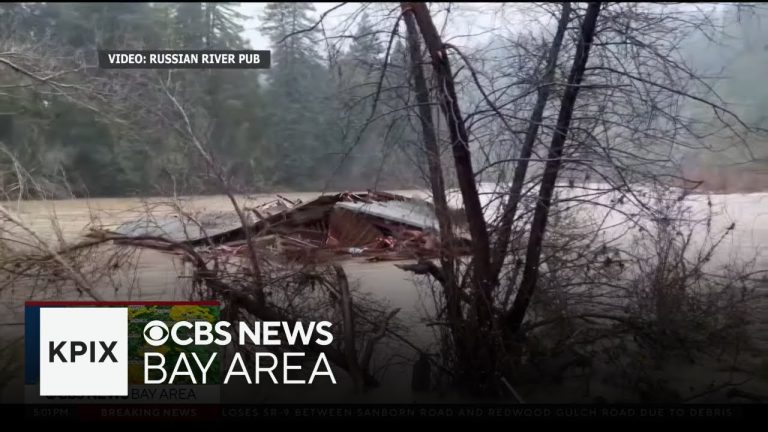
<point>286,127</point>
<point>300,116</point>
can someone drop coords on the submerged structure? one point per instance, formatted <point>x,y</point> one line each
<point>375,225</point>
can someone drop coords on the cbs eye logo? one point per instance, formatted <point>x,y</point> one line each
<point>156,333</point>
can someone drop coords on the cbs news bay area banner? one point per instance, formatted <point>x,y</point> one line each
<point>160,352</point>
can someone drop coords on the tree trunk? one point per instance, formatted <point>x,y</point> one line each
<point>449,105</point>
<point>345,302</point>
<point>531,133</point>
<point>209,8</point>
<point>436,179</point>
<point>437,183</point>
<point>514,318</point>
<point>476,353</point>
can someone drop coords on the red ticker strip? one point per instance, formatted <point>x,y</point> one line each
<point>120,303</point>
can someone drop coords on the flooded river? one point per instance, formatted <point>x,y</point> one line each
<point>157,275</point>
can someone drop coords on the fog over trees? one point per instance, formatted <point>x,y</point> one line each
<point>324,116</point>
<point>286,128</point>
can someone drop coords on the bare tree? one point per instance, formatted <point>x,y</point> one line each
<point>516,315</point>
<point>591,135</point>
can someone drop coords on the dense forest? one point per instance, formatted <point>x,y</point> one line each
<point>325,116</point>
<point>296,126</point>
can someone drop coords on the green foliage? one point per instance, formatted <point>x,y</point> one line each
<point>285,128</point>
<point>139,316</point>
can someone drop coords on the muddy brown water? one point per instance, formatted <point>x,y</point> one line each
<point>157,275</point>
<point>157,278</point>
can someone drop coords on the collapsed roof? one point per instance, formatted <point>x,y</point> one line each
<point>379,225</point>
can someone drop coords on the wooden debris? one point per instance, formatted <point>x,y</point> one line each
<point>366,224</point>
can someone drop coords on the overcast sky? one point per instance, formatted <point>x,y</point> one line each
<point>471,24</point>
<point>253,10</point>
<point>474,19</point>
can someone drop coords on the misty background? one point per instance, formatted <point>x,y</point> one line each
<point>309,122</point>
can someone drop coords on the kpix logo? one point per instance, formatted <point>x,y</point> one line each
<point>83,351</point>
<point>77,348</point>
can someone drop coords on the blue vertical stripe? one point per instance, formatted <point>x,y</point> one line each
<point>31,344</point>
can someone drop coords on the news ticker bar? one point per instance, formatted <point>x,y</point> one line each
<point>185,59</point>
<point>394,411</point>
